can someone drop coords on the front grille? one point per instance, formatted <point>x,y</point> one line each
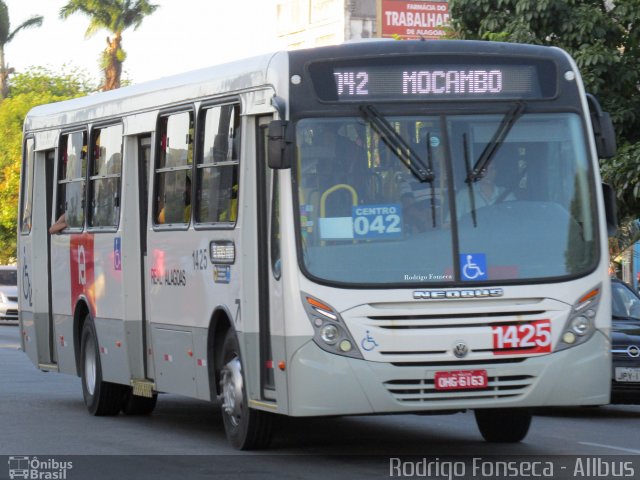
<point>427,333</point>
<point>445,363</point>
<point>11,314</point>
<point>466,320</point>
<point>627,387</point>
<point>621,353</point>
<point>423,391</point>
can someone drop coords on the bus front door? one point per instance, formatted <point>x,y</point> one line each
<point>272,350</point>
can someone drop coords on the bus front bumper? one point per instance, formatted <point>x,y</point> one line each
<point>320,383</point>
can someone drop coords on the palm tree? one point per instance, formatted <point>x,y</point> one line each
<point>115,16</point>
<point>6,35</point>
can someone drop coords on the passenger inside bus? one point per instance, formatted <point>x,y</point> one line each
<point>230,213</point>
<point>423,201</point>
<point>168,211</point>
<point>59,225</point>
<point>416,198</point>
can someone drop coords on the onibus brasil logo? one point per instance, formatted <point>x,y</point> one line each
<point>38,469</point>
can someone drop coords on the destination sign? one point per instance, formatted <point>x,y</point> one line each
<point>384,83</point>
<point>430,78</point>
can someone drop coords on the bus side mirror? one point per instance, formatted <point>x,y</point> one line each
<point>603,131</point>
<point>610,209</point>
<point>280,145</point>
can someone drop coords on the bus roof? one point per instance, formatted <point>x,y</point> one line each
<point>251,73</point>
<point>375,46</point>
<point>222,79</point>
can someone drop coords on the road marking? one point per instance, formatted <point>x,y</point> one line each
<point>10,345</point>
<point>630,450</point>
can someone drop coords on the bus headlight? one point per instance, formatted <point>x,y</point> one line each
<point>330,331</point>
<point>580,325</point>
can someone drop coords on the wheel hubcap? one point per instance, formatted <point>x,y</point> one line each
<point>231,385</point>
<point>90,366</point>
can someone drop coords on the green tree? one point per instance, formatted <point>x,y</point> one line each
<point>604,38</point>
<point>114,16</point>
<point>6,35</point>
<point>26,90</point>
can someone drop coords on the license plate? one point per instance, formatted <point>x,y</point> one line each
<point>461,380</point>
<point>627,374</point>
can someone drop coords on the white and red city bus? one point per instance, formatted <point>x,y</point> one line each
<point>384,227</point>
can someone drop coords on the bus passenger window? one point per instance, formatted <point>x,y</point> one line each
<point>27,187</point>
<point>217,165</point>
<point>71,179</point>
<point>173,169</point>
<point>104,180</point>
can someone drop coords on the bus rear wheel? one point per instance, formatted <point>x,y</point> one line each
<point>503,425</point>
<point>101,398</point>
<point>246,428</point>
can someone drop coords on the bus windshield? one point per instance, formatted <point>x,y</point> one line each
<point>491,203</point>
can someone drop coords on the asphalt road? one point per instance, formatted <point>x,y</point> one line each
<point>42,415</point>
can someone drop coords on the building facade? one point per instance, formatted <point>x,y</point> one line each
<point>312,23</point>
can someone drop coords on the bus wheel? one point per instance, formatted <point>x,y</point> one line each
<point>102,398</point>
<point>246,428</point>
<point>503,425</point>
<point>135,405</point>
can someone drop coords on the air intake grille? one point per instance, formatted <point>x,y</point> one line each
<point>463,321</point>
<point>423,390</point>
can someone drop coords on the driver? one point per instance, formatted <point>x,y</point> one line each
<point>485,191</point>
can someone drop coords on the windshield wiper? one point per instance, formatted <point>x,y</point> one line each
<point>433,189</point>
<point>508,121</point>
<point>467,163</point>
<point>397,144</point>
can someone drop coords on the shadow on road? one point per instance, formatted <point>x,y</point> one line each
<point>606,411</point>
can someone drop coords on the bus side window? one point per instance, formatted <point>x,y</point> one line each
<point>217,165</point>
<point>104,179</point>
<point>27,187</point>
<point>173,169</point>
<point>71,179</point>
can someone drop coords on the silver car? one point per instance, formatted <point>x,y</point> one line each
<point>8,294</point>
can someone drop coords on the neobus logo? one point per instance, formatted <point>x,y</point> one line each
<point>446,294</point>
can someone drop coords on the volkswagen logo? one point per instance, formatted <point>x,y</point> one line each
<point>460,350</point>
<point>633,351</point>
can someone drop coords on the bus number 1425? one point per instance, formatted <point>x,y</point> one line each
<point>200,260</point>
<point>523,338</point>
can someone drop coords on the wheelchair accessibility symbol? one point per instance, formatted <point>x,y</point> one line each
<point>368,343</point>
<point>473,266</point>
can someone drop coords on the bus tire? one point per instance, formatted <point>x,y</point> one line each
<point>246,428</point>
<point>503,425</point>
<point>101,398</point>
<point>135,405</point>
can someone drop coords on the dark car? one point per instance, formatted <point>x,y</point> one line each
<point>625,344</point>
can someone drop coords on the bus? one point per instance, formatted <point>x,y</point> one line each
<point>369,228</point>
